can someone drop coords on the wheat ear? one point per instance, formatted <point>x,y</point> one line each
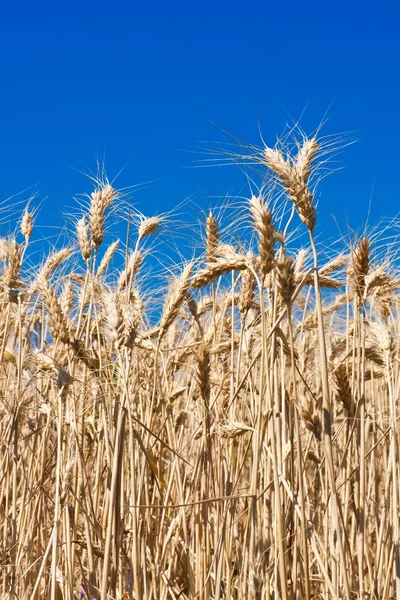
<point>176,295</point>
<point>262,218</point>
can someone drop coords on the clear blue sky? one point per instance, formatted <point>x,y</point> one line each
<point>137,83</point>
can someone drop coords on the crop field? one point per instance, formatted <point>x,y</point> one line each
<point>232,432</point>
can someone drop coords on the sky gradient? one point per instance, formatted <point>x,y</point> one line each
<point>137,87</point>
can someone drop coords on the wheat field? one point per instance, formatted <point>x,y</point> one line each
<point>238,441</point>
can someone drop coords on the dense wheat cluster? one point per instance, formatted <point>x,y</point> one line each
<point>244,447</point>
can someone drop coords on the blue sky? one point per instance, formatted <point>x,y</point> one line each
<point>137,85</point>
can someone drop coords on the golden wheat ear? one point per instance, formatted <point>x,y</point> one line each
<point>27,225</point>
<point>82,233</point>
<point>100,201</point>
<point>286,280</point>
<point>57,319</point>
<point>148,227</point>
<point>295,176</point>
<point>107,258</point>
<point>360,265</point>
<point>175,297</point>
<point>223,265</point>
<point>262,219</point>
<point>212,238</point>
<point>247,291</point>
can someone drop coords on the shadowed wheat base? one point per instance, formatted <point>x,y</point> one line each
<point>246,447</point>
